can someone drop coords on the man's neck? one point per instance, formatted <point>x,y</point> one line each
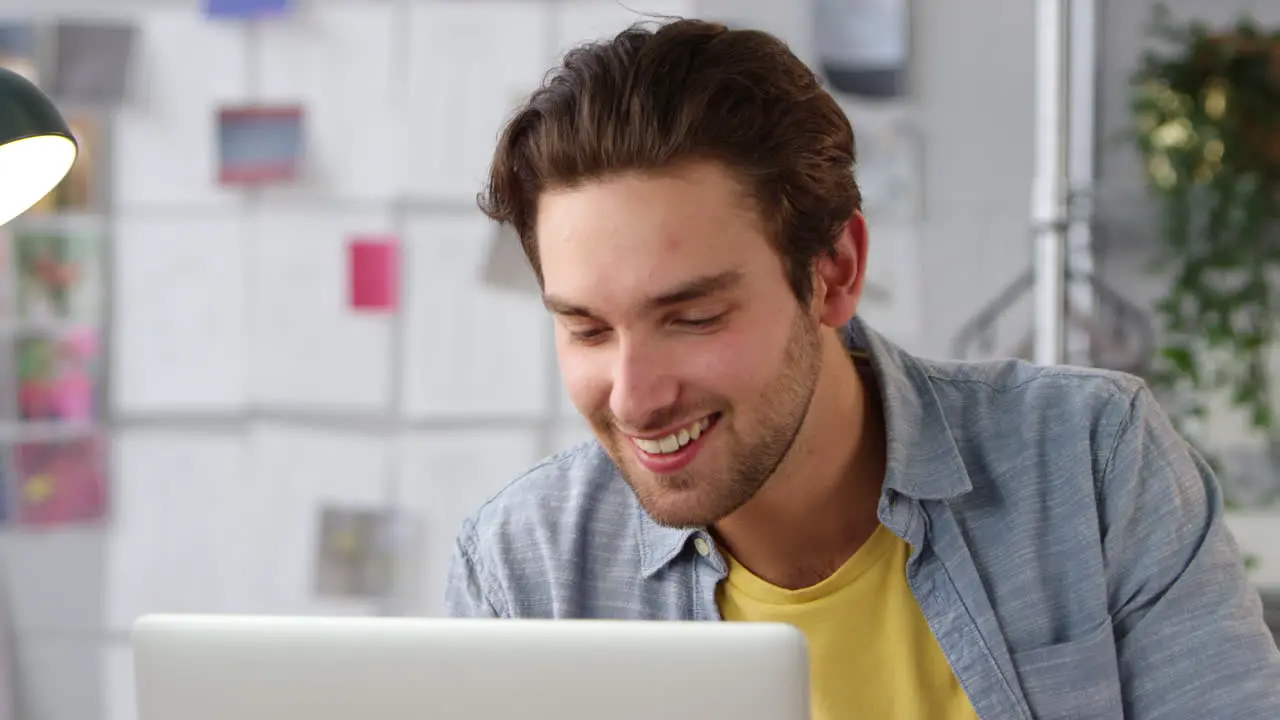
<point>820,505</point>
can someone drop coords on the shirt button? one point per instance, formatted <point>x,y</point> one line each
<point>702,546</point>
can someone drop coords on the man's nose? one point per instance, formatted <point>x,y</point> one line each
<point>644,385</point>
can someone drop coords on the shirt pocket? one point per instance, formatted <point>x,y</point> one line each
<point>1074,679</point>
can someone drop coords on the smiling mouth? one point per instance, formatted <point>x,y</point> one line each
<point>676,441</point>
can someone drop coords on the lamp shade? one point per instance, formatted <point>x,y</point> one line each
<point>37,148</point>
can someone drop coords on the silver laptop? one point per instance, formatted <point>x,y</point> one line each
<point>298,668</point>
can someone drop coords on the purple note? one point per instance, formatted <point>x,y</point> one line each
<point>244,8</point>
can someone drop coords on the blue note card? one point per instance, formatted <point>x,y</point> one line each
<point>259,144</point>
<point>245,8</point>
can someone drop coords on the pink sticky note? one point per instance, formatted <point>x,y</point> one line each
<point>374,273</point>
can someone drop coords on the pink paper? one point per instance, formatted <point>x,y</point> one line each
<point>61,483</point>
<point>374,273</point>
<point>58,382</point>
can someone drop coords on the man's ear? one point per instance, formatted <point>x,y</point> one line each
<point>839,274</point>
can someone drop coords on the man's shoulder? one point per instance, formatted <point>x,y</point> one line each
<point>1016,391</point>
<point>1029,432</point>
<point>557,541</point>
<point>558,498</point>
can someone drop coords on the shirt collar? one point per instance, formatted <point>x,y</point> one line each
<point>923,460</point>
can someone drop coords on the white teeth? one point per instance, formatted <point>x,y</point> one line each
<point>674,441</point>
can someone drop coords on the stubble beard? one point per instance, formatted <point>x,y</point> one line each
<point>700,497</point>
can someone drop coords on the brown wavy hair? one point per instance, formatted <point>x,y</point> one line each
<point>654,98</point>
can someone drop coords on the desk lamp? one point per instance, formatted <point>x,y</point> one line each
<point>36,146</point>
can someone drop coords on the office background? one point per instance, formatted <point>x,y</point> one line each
<point>300,366</point>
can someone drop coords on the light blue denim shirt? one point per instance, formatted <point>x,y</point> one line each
<point>1068,549</point>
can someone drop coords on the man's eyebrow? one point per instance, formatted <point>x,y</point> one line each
<point>565,308</point>
<point>695,289</point>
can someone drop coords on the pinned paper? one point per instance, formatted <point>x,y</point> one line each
<point>259,144</point>
<point>92,61</point>
<point>245,8</point>
<point>58,377</point>
<point>357,553</point>
<point>61,482</point>
<point>58,275</point>
<point>374,273</point>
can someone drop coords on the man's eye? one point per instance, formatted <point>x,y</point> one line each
<point>700,323</point>
<point>587,336</point>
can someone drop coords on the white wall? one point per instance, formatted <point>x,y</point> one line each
<point>235,420</point>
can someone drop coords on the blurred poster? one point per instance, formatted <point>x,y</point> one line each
<point>91,62</point>
<point>58,275</point>
<point>58,376</point>
<point>259,144</point>
<point>61,482</point>
<point>357,554</point>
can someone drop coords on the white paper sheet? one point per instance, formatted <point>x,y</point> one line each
<point>309,351</point>
<point>445,477</point>
<point>471,351</point>
<point>337,62</point>
<point>184,538</point>
<point>299,471</point>
<point>470,64</point>
<point>165,135</point>
<point>180,342</point>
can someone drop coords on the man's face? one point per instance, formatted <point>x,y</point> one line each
<point>678,336</point>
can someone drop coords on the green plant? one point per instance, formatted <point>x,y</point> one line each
<point>1206,105</point>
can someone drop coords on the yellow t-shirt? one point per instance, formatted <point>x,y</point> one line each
<point>871,652</point>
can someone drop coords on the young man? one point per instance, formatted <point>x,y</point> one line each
<point>990,540</point>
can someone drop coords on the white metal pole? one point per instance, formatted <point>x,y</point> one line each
<point>1082,58</point>
<point>1049,189</point>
